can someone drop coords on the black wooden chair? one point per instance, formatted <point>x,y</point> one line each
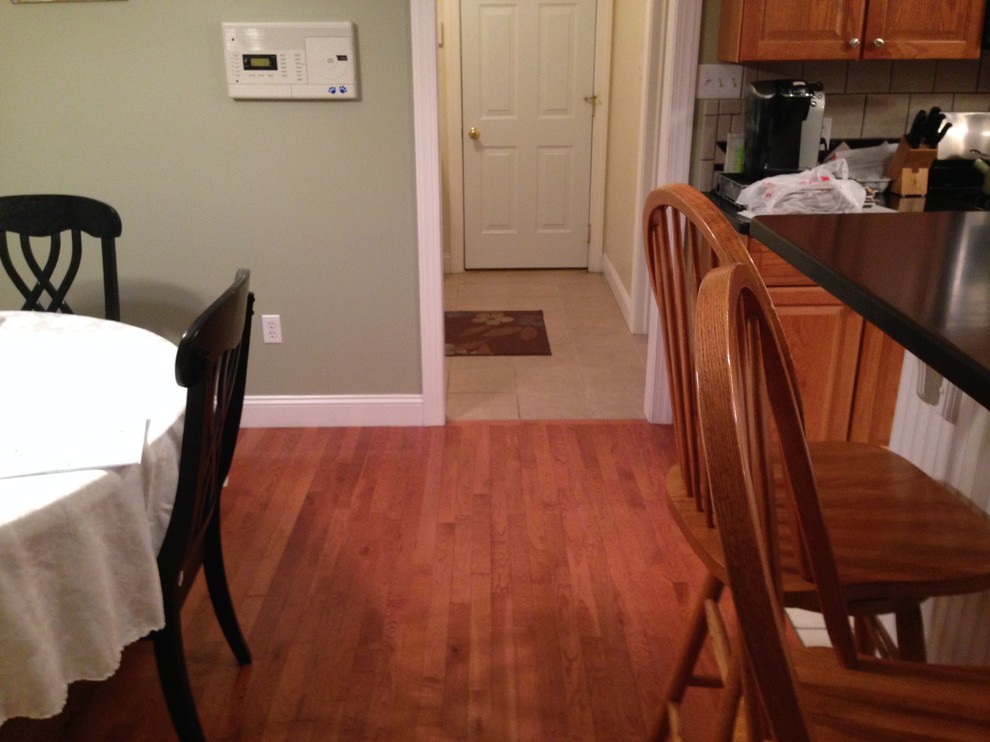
<point>50,216</point>
<point>212,364</point>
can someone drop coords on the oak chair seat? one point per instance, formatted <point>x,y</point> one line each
<point>884,699</point>
<point>924,542</point>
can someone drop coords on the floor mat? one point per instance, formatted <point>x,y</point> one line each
<point>496,333</point>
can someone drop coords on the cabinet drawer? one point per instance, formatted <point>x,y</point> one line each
<point>774,270</point>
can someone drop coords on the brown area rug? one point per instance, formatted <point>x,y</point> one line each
<point>495,334</point>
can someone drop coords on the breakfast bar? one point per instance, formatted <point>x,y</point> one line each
<point>922,278</point>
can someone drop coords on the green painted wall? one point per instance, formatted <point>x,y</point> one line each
<point>127,102</point>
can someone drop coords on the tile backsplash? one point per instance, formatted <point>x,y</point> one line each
<point>862,99</point>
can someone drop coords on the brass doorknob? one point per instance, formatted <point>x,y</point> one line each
<point>474,133</point>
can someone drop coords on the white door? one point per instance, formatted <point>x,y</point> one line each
<point>527,78</point>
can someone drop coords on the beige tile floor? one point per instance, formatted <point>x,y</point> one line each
<point>597,368</point>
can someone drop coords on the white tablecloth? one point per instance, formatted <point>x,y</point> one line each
<point>78,574</point>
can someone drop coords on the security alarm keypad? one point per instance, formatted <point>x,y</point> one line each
<point>313,61</point>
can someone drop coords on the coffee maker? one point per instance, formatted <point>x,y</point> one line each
<point>783,127</point>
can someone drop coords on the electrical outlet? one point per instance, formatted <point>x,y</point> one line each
<point>271,328</point>
<point>719,81</point>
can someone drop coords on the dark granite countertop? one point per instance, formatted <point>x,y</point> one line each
<point>741,223</point>
<point>923,278</point>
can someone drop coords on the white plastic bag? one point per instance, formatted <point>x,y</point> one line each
<point>825,189</point>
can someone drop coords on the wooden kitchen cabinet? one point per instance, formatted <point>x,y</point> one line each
<point>847,369</point>
<point>756,30</point>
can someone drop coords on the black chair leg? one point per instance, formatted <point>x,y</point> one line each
<point>171,659</point>
<point>216,585</point>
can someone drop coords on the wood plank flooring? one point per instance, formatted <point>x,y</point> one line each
<point>479,581</point>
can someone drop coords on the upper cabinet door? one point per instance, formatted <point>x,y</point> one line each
<point>783,29</point>
<point>755,30</point>
<point>923,29</point>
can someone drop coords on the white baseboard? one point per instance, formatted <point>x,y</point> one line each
<point>622,297</point>
<point>386,410</point>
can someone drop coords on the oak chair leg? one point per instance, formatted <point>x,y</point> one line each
<point>731,713</point>
<point>863,636</point>
<point>911,634</point>
<point>872,637</point>
<point>682,673</point>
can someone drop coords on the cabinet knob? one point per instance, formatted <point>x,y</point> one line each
<point>474,133</point>
<point>853,42</point>
<point>878,43</point>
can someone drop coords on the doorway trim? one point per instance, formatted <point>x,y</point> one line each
<point>667,146</point>
<point>452,138</point>
<point>429,235</point>
<point>675,37</point>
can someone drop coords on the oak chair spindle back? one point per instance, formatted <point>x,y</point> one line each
<point>746,391</point>
<point>875,502</point>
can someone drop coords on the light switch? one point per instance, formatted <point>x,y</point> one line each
<point>719,81</point>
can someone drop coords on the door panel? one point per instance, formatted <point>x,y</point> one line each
<point>784,29</point>
<point>527,67</point>
<point>499,173</point>
<point>948,29</point>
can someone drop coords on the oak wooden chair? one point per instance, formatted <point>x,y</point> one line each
<point>750,414</point>
<point>878,505</point>
<point>211,363</point>
<point>44,272</point>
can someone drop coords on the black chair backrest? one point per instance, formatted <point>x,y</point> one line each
<point>212,364</point>
<point>49,216</point>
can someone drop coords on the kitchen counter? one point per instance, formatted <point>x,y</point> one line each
<point>922,278</point>
<point>732,212</point>
<point>741,223</point>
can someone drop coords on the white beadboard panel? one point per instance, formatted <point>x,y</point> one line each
<point>959,455</point>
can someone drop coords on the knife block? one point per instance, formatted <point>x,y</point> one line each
<point>908,171</point>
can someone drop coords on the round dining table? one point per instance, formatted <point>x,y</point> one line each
<point>90,435</point>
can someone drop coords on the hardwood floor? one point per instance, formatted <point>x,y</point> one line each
<point>488,581</point>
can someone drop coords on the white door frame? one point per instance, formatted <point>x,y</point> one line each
<point>671,79</point>
<point>429,236</point>
<point>453,138</point>
<point>669,109</point>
